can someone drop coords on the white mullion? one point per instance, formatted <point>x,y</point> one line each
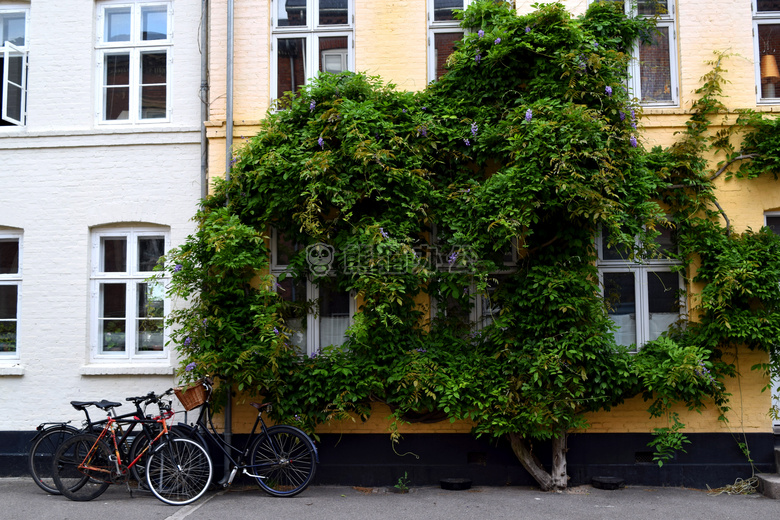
<point>131,317</point>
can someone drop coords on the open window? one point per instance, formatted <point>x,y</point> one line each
<point>13,68</point>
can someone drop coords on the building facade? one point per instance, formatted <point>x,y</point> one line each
<point>101,161</point>
<point>98,181</point>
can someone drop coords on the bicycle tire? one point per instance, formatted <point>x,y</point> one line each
<point>82,484</point>
<point>284,461</point>
<point>41,455</point>
<point>179,471</point>
<point>141,441</point>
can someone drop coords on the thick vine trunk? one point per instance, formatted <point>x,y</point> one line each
<point>557,478</point>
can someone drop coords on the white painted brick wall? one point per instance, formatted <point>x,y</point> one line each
<point>62,174</point>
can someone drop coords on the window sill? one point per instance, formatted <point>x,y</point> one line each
<point>106,369</point>
<point>16,369</point>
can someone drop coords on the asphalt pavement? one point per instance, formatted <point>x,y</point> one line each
<point>20,499</point>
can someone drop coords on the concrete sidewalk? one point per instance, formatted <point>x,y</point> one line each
<point>20,499</point>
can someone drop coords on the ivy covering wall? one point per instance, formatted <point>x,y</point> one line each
<point>529,143</point>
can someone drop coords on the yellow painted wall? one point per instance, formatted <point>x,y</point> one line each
<point>390,41</point>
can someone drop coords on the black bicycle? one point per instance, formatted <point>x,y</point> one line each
<point>281,459</point>
<point>52,435</point>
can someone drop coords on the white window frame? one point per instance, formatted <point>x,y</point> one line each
<point>135,48</point>
<point>309,32</point>
<point>14,279</point>
<point>764,18</point>
<point>8,50</point>
<point>668,21</point>
<point>312,294</point>
<point>131,278</point>
<point>439,27</point>
<point>641,269</point>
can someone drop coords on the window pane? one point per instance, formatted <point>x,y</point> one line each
<point>291,65</point>
<point>333,12</point>
<point>769,48</point>
<point>768,5</point>
<point>7,336</point>
<point>9,256</point>
<point>154,23</point>
<point>153,88</point>
<point>12,29</point>
<point>655,71</point>
<point>112,307</point>
<point>293,293</point>
<point>150,249</point>
<point>653,7</point>
<point>15,71</point>
<point>114,255</point>
<point>443,9</point>
<point>664,304</point>
<point>614,252</point>
<point>333,54</point>
<point>117,90</point>
<point>444,46</point>
<point>150,324</point>
<point>772,223</point>
<point>112,296</point>
<point>285,249</point>
<point>663,287</point>
<point>8,301</point>
<point>334,315</point>
<point>291,13</point>
<point>620,296</point>
<point>117,28</point>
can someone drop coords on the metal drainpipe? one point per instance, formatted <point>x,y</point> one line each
<point>204,97</point>
<point>228,161</point>
<point>229,101</point>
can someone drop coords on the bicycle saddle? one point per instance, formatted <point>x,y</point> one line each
<point>103,405</point>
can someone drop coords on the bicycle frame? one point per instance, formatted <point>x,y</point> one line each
<point>110,429</point>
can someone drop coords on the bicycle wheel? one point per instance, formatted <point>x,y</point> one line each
<point>41,455</point>
<point>82,467</point>
<point>140,443</point>
<point>179,471</point>
<point>284,461</point>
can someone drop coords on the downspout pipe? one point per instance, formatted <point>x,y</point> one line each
<point>229,94</point>
<point>204,97</point>
<point>228,165</point>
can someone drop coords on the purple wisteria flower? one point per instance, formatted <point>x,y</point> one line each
<point>481,33</point>
<point>497,41</point>
<point>633,125</point>
<point>633,142</point>
<point>424,108</point>
<point>205,321</point>
<point>452,258</point>
<point>527,29</point>
<point>187,341</point>
<point>633,114</point>
<point>177,268</point>
<point>622,115</point>
<point>423,131</point>
<point>404,110</point>
<point>474,129</point>
<point>608,90</point>
<point>383,233</point>
<point>312,105</point>
<point>421,350</point>
<point>276,331</point>
<point>190,367</point>
<point>467,142</point>
<point>478,58</point>
<point>529,115</point>
<point>321,142</point>
<point>595,45</point>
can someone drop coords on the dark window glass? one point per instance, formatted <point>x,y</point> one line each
<point>9,256</point>
<point>150,249</point>
<point>114,255</point>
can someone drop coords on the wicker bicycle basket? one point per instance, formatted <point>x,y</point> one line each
<point>191,396</point>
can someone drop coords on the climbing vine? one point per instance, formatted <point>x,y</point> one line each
<point>479,196</point>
